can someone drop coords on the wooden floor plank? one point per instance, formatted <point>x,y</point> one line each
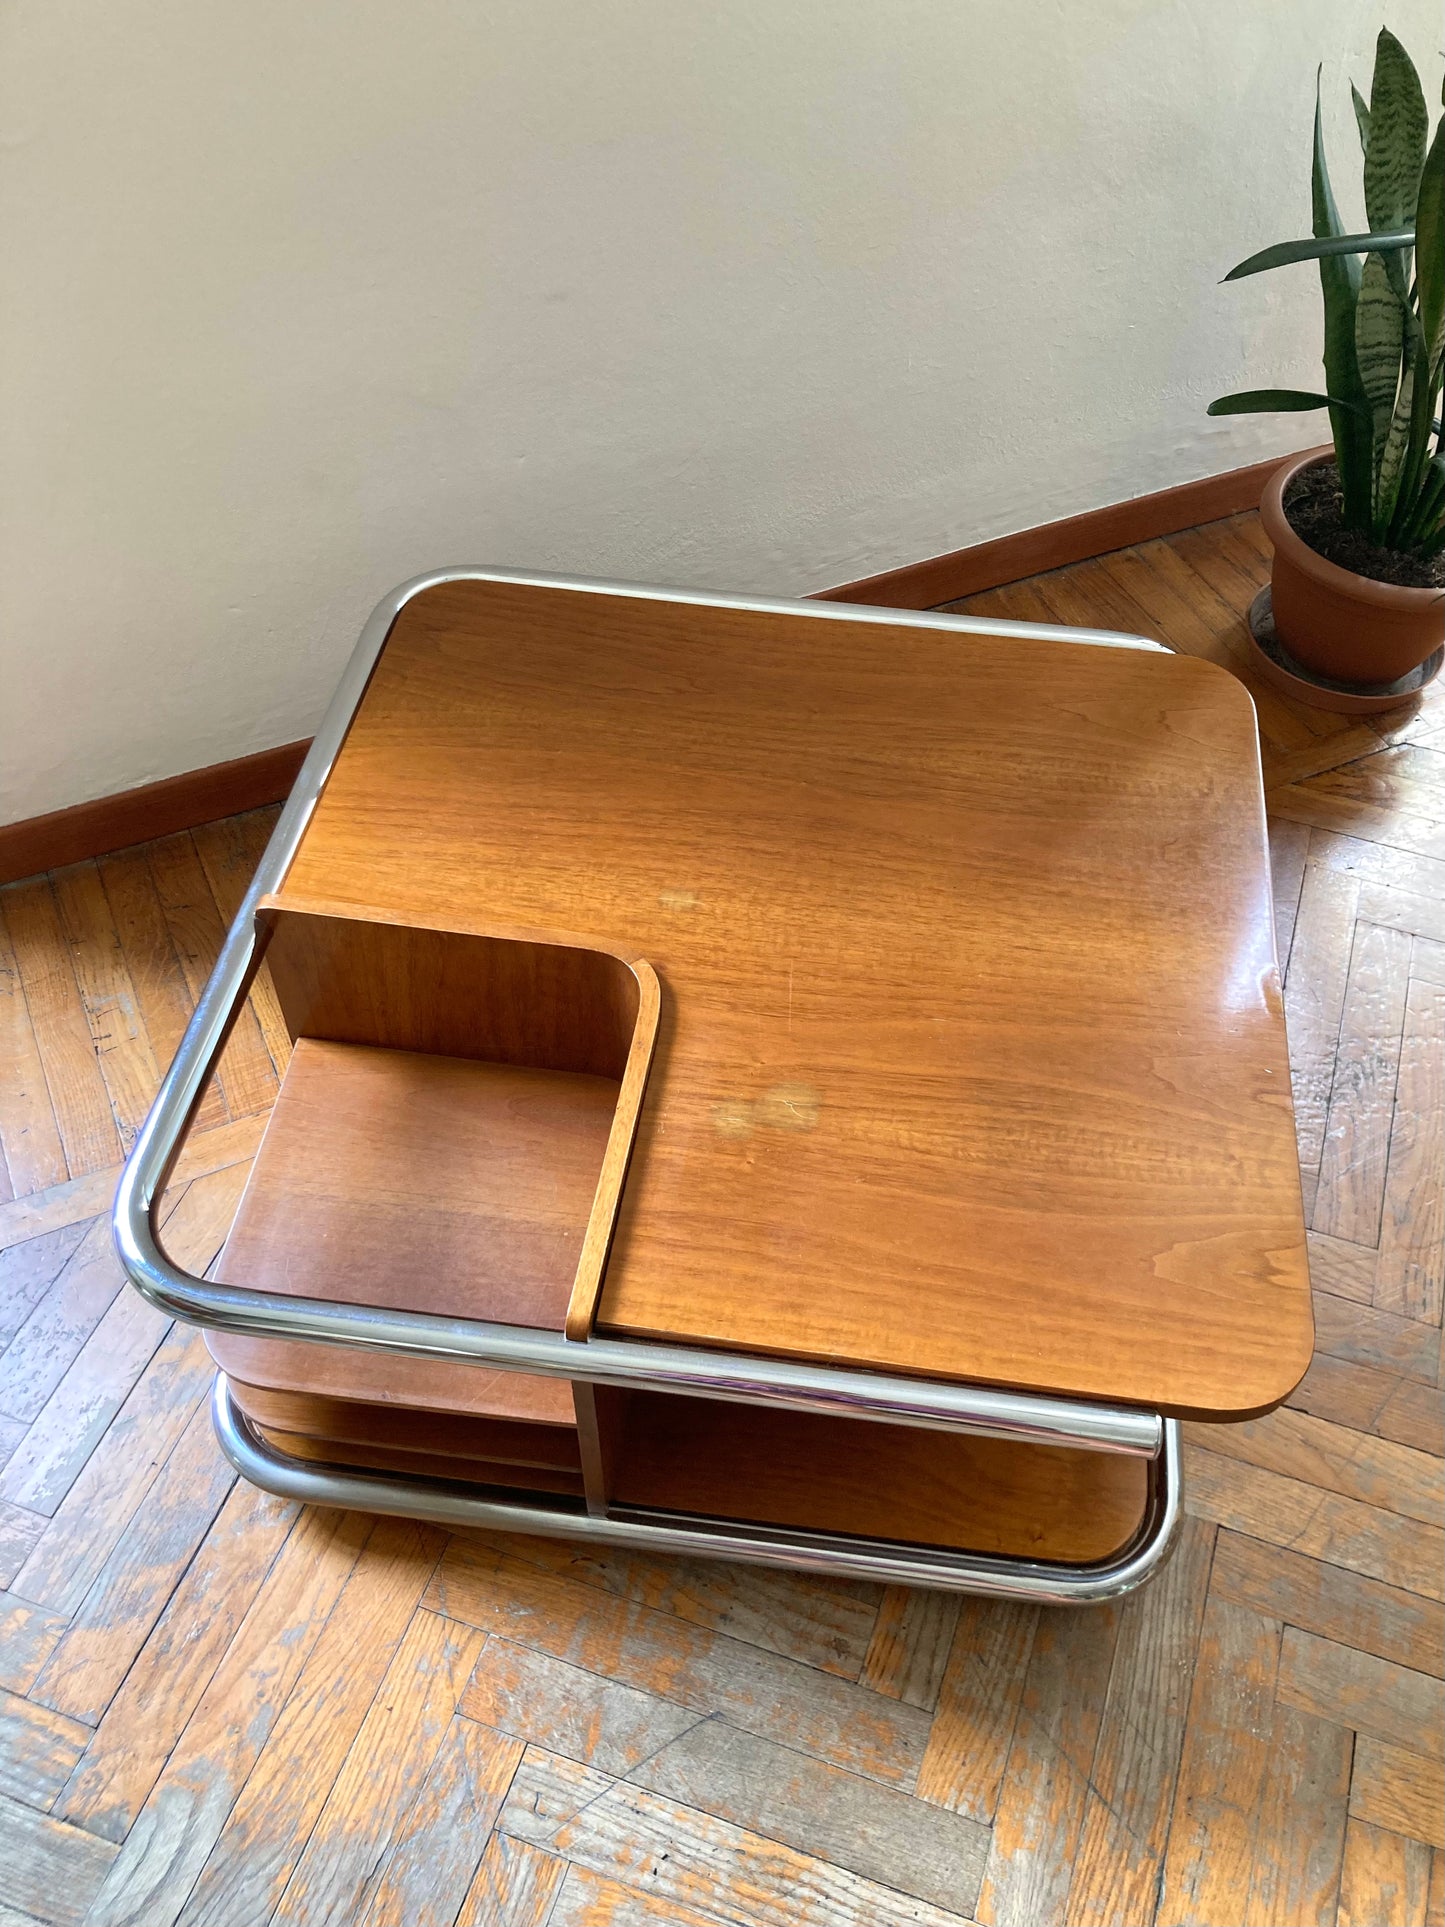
<point>1288,849</point>
<point>1209,1861</point>
<point>1322,1598</point>
<point>1040,1814</point>
<point>264,1834</point>
<point>1314,998</point>
<point>29,1136</point>
<point>777,1698</point>
<point>1287,1512</point>
<point>78,1095</point>
<point>910,1645</point>
<point>108,996</point>
<point>1402,1791</point>
<point>1347,1270</point>
<point>67,1556</point>
<point>29,1634</point>
<point>602,1722</point>
<point>823,1623</point>
<point>208,1768</point>
<point>394,1750</point>
<point>229,852</point>
<point>1361,1109</point>
<point>440,1841</point>
<point>978,1707</point>
<point>19,1531</point>
<point>1299,1841</point>
<point>48,1872</point>
<point>47,1461</point>
<point>1385,1880</point>
<point>1131,1782</point>
<point>36,1360</point>
<point>38,1750</point>
<point>80,1199</point>
<point>246,1074</point>
<point>1410,1277</point>
<point>1413,1415</point>
<point>587,1899</point>
<point>130,1593</point>
<point>28,1270</point>
<point>1374,1471</point>
<point>1373,1696</point>
<point>517,1886</point>
<point>874,1831</point>
<point>1344,1392</point>
<point>147,1714</point>
<point>686,1858</point>
<point>163,999</point>
<point>1366,1335</point>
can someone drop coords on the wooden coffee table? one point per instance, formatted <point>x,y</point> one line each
<point>782,1081</point>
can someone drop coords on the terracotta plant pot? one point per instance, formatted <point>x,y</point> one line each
<point>1335,622</point>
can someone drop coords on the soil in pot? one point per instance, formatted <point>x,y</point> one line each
<point>1313,504</point>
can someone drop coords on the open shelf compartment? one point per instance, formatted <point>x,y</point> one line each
<point>451,1136</point>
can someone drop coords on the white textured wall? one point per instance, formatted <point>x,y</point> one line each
<point>300,297</point>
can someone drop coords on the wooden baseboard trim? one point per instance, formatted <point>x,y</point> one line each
<point>155,809</point>
<point>1054,545</point>
<point>201,795</point>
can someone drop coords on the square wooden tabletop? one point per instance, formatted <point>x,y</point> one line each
<point>972,1061</point>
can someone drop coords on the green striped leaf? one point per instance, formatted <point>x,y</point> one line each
<point>1430,246</point>
<point>1396,153</point>
<point>1391,460</point>
<point>1428,513</point>
<point>1379,346</point>
<point>1350,421</point>
<point>1362,117</point>
<point>1412,427</point>
<point>1268,401</point>
<point>1321,248</point>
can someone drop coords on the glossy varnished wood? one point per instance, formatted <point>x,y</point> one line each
<point>211,1698</point>
<point>497,1078</point>
<point>510,1158</point>
<point>877,1481</point>
<point>972,1061</point>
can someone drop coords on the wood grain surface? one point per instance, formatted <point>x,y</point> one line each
<point>882,1481</point>
<point>972,1062</point>
<point>509,1160</point>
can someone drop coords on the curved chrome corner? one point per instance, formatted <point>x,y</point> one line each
<point>831,1555</point>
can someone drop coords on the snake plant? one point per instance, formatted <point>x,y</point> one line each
<point>1384,323</point>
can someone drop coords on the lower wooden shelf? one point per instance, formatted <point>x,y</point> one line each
<point>751,1466</point>
<point>511,1480</point>
<point>455,1436</point>
<point>780,1468</point>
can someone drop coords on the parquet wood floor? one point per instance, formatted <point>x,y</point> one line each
<point>218,1710</point>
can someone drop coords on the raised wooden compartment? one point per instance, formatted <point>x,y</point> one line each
<point>450,1136</point>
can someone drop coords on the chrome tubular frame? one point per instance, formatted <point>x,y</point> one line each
<point>830,1554</point>
<point>796,1385</point>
